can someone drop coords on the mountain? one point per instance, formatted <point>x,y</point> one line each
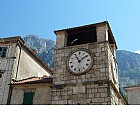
<point>128,62</point>
<point>43,47</point>
<point>129,67</point>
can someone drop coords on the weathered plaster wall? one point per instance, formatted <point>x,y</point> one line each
<point>133,95</point>
<point>6,65</point>
<point>29,67</point>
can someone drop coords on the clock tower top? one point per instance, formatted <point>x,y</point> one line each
<point>98,32</point>
<point>85,66</point>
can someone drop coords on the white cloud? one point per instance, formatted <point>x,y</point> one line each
<point>137,52</point>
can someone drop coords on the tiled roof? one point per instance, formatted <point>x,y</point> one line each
<point>131,86</point>
<point>34,80</point>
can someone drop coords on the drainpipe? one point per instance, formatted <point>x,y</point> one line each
<point>9,95</point>
<point>10,88</point>
<point>18,60</point>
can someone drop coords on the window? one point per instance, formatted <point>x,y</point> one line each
<point>0,75</point>
<point>1,72</point>
<point>3,51</point>
<point>81,36</point>
<point>28,98</point>
<point>0,80</point>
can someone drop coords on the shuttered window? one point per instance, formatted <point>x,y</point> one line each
<point>3,51</point>
<point>28,98</point>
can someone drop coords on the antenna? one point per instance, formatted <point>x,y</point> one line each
<point>106,18</point>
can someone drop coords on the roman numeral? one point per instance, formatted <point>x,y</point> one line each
<point>71,66</point>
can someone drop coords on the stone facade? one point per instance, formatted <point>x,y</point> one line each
<point>97,86</point>
<point>17,63</point>
<point>42,93</point>
<point>100,84</point>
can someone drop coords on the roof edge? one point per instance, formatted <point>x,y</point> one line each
<point>132,86</point>
<point>33,80</point>
<point>12,39</point>
<point>83,26</point>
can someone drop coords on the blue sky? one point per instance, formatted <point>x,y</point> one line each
<point>42,17</point>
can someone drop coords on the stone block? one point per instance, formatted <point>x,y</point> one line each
<point>79,89</point>
<point>55,98</point>
<point>101,99</point>
<point>107,99</point>
<point>88,101</point>
<point>70,102</point>
<point>62,102</point>
<point>105,103</point>
<point>91,95</point>
<point>100,90</point>
<point>104,94</point>
<point>94,100</point>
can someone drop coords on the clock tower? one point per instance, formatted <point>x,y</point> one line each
<point>85,66</point>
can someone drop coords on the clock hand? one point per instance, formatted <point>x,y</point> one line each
<point>84,57</point>
<point>77,58</point>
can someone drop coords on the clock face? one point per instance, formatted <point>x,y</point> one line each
<point>79,61</point>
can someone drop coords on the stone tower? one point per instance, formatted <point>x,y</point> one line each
<point>85,66</point>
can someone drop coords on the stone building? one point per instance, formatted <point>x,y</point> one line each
<point>17,62</point>
<point>85,66</point>
<point>133,93</point>
<point>32,90</point>
<point>85,70</point>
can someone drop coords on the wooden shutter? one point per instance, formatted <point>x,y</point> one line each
<point>28,98</point>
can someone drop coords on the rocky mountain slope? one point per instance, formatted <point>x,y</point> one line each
<point>128,62</point>
<point>129,67</point>
<point>43,47</point>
